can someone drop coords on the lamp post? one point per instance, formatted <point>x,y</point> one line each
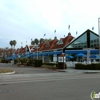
<point>99,35</point>
<point>37,52</point>
<point>8,53</point>
<point>5,55</point>
<point>36,45</point>
<point>2,55</point>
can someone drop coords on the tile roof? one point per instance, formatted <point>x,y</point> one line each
<point>65,41</point>
<point>46,46</point>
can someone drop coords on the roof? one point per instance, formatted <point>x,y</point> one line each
<point>52,43</point>
<point>80,36</point>
<point>65,41</point>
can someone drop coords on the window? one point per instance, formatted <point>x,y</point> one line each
<point>47,44</point>
<point>94,40</point>
<point>81,42</point>
<point>60,41</point>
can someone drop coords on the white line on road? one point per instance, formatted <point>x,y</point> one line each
<point>40,79</point>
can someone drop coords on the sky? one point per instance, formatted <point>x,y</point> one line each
<point>23,20</point>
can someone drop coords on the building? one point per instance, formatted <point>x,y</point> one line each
<point>88,41</point>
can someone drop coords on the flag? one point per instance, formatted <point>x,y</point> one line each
<point>92,28</point>
<point>76,32</point>
<point>69,27</point>
<point>44,34</point>
<point>54,31</point>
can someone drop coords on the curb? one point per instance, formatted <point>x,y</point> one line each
<point>61,71</point>
<point>91,72</point>
<point>7,73</point>
<point>57,70</point>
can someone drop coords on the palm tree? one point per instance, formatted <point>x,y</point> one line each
<point>11,43</point>
<point>41,40</point>
<point>36,40</point>
<point>49,39</point>
<point>14,43</point>
<point>32,42</point>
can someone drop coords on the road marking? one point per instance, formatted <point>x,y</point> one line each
<point>40,79</point>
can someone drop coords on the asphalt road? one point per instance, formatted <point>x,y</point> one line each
<point>49,86</point>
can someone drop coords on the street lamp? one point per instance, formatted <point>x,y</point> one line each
<point>2,55</point>
<point>99,35</point>
<point>36,45</point>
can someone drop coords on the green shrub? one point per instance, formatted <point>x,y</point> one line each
<point>15,61</point>
<point>95,66</point>
<point>51,64</point>
<point>30,62</point>
<point>38,63</point>
<point>78,66</point>
<point>5,61</point>
<point>2,60</point>
<point>65,66</point>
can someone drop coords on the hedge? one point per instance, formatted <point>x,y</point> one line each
<point>93,66</point>
<point>55,65</point>
<point>37,63</point>
<point>51,64</point>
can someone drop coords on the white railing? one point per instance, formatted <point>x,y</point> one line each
<point>72,64</point>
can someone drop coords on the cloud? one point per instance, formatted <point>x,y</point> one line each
<point>24,20</point>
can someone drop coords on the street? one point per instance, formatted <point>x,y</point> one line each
<point>56,86</point>
<point>48,85</point>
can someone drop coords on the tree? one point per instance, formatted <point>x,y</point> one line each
<point>49,39</point>
<point>32,42</point>
<point>11,43</point>
<point>14,43</point>
<point>41,40</point>
<point>36,40</point>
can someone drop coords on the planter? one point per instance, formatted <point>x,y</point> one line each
<point>25,64</point>
<point>18,65</point>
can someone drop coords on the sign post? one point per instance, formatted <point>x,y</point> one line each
<point>61,61</point>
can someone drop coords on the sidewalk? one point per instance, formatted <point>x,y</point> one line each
<point>72,70</point>
<point>39,70</point>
